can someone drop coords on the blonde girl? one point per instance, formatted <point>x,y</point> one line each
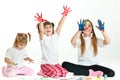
<point>16,55</point>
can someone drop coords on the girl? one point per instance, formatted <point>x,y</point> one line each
<point>87,43</point>
<point>48,38</point>
<point>15,57</point>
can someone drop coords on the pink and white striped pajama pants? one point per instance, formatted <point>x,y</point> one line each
<point>54,71</point>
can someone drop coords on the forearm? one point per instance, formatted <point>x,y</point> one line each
<point>41,30</point>
<point>28,59</point>
<point>75,37</point>
<point>60,24</point>
<point>8,61</point>
<point>106,38</point>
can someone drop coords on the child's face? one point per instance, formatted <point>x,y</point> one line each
<point>87,28</point>
<point>48,30</point>
<point>21,46</point>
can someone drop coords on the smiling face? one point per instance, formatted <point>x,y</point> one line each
<point>88,28</point>
<point>48,30</point>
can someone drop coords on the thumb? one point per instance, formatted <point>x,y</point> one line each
<point>97,27</point>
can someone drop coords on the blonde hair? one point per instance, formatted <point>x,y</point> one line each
<point>93,41</point>
<point>22,38</point>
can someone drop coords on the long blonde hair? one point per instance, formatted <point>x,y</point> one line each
<point>22,38</point>
<point>93,41</point>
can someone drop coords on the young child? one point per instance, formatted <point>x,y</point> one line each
<point>16,55</point>
<point>87,43</point>
<point>48,39</point>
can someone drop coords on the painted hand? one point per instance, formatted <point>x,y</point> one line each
<point>100,25</point>
<point>66,10</point>
<point>81,25</point>
<point>39,18</point>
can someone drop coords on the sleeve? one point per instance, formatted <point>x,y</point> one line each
<point>8,53</point>
<point>56,35</point>
<point>25,55</point>
<point>100,42</point>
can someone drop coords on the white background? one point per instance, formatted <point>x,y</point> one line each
<point>18,16</point>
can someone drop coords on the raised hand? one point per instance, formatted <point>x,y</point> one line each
<point>100,25</point>
<point>81,25</point>
<point>39,18</point>
<point>66,10</point>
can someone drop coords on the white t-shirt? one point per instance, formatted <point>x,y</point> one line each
<point>88,57</point>
<point>49,49</point>
<point>16,55</point>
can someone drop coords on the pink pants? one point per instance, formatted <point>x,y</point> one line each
<point>49,70</point>
<point>11,71</point>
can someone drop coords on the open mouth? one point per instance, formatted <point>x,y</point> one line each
<point>48,31</point>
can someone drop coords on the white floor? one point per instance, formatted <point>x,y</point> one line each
<point>116,68</point>
<point>106,61</point>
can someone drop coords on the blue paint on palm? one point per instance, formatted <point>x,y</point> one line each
<point>101,25</point>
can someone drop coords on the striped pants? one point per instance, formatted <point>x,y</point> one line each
<point>54,71</point>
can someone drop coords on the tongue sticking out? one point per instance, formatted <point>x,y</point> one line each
<point>85,28</point>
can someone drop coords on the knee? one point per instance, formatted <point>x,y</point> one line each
<point>55,73</point>
<point>64,64</point>
<point>111,74</point>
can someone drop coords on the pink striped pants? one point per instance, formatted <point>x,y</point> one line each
<point>54,71</point>
<point>11,71</point>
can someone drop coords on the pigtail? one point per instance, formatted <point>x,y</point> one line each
<point>37,26</point>
<point>52,28</point>
<point>28,36</point>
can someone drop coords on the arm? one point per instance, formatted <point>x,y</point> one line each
<point>78,33</point>
<point>29,59</point>
<point>60,24</point>
<point>106,38</point>
<point>8,61</point>
<point>40,30</point>
<point>75,37</point>
<point>40,25</point>
<point>101,28</point>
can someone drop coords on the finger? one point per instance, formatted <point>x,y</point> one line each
<point>37,14</point>
<point>35,19</point>
<point>70,10</point>
<point>97,27</point>
<point>64,7</point>
<point>78,23</point>
<point>41,14</point>
<point>80,20</point>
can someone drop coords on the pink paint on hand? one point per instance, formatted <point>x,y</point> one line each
<point>95,73</point>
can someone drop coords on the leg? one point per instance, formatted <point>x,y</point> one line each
<point>105,70</point>
<point>4,71</point>
<point>10,71</point>
<point>76,69</point>
<point>50,70</point>
<point>26,71</point>
<point>62,70</point>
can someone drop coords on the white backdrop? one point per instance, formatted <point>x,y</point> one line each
<point>18,16</point>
